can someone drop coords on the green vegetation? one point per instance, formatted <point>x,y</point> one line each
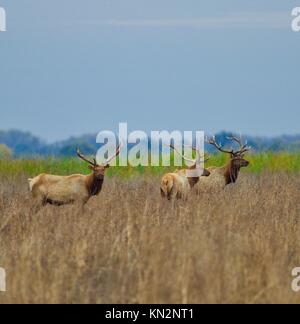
<point>285,162</point>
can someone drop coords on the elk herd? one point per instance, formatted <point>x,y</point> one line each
<point>177,185</point>
<point>78,188</point>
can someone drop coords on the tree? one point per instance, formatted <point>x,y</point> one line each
<point>5,152</point>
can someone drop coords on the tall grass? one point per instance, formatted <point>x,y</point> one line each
<point>129,246</point>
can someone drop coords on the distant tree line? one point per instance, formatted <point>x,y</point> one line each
<point>23,144</point>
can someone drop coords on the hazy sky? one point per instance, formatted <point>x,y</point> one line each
<point>69,67</point>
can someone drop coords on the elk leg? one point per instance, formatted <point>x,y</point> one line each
<point>174,192</point>
<point>162,193</point>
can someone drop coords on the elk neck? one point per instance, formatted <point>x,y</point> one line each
<point>94,184</point>
<point>231,173</point>
<point>193,181</point>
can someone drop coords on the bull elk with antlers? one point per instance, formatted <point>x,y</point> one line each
<point>62,190</point>
<point>177,185</point>
<point>228,174</point>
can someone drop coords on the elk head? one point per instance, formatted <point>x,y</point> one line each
<point>237,157</point>
<point>99,170</point>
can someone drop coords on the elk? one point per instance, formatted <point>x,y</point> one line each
<point>62,190</point>
<point>177,185</point>
<point>228,174</point>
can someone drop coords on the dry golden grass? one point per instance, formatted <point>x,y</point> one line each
<point>129,246</point>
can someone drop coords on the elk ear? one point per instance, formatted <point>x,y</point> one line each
<point>91,167</point>
<point>107,166</point>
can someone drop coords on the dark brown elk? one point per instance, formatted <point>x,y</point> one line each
<point>220,177</point>
<point>62,190</point>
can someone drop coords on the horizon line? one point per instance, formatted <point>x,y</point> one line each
<point>237,132</point>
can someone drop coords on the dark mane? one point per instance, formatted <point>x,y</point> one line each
<point>95,185</point>
<point>231,173</point>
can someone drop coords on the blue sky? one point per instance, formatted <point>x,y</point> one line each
<point>70,67</point>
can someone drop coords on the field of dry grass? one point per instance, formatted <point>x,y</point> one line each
<point>129,246</point>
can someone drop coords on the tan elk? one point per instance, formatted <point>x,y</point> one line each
<point>178,184</point>
<point>228,174</point>
<point>76,188</point>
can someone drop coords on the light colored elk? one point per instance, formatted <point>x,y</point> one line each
<point>220,177</point>
<point>178,184</point>
<point>62,190</point>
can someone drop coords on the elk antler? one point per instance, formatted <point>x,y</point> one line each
<point>243,147</point>
<point>213,142</point>
<point>187,159</point>
<point>118,150</point>
<point>199,153</point>
<point>82,157</point>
